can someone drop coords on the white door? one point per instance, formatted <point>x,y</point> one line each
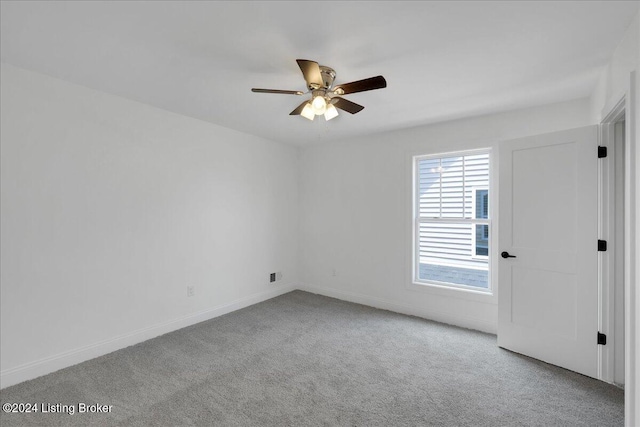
<point>547,219</point>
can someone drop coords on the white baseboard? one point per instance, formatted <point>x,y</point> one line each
<point>439,316</point>
<point>51,364</point>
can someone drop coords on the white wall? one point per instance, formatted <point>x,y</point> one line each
<point>356,217</point>
<point>613,82</point>
<point>110,208</point>
<point>620,78</point>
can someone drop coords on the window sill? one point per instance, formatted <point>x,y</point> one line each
<point>441,289</point>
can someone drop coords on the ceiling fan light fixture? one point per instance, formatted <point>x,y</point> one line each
<point>325,98</point>
<point>319,105</point>
<point>332,112</point>
<point>308,112</point>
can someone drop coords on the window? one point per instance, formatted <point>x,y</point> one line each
<point>480,236</point>
<point>452,220</point>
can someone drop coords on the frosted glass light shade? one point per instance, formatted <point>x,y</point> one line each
<point>307,112</point>
<point>319,105</point>
<point>331,112</point>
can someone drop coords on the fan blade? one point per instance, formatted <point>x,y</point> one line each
<point>284,92</point>
<point>371,83</point>
<point>311,72</point>
<point>299,109</point>
<point>348,106</point>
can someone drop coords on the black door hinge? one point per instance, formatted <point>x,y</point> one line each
<point>602,245</point>
<point>602,151</point>
<point>602,339</point>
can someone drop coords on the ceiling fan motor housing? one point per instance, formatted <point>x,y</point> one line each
<point>328,76</point>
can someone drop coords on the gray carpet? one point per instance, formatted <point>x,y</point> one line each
<point>303,359</point>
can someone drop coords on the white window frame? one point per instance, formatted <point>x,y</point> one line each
<point>417,220</point>
<point>474,254</point>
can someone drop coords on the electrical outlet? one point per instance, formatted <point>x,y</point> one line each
<point>191,291</point>
<point>278,275</point>
<point>334,273</point>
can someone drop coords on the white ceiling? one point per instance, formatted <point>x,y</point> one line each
<point>442,60</point>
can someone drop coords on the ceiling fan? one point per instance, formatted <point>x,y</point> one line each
<point>325,98</point>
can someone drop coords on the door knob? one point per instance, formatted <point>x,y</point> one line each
<point>505,254</point>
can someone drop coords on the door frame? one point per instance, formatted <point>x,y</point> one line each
<point>607,213</point>
<point>629,99</point>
